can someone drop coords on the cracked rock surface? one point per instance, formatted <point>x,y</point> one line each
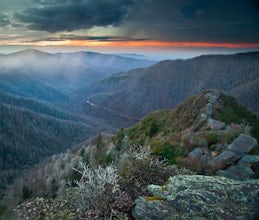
<point>199,197</point>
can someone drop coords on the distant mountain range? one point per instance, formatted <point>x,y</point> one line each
<point>167,83</point>
<point>37,119</point>
<point>63,71</point>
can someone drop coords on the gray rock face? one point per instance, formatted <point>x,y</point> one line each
<point>208,110</point>
<point>215,124</point>
<point>250,159</point>
<point>237,172</point>
<point>226,158</point>
<point>242,145</point>
<point>154,210</point>
<point>213,96</point>
<point>220,147</point>
<point>199,197</point>
<point>196,153</point>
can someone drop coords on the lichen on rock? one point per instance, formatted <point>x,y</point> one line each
<point>200,197</point>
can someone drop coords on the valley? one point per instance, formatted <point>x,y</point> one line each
<point>58,110</point>
<point>38,119</point>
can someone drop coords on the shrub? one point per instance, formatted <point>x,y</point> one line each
<point>143,169</point>
<point>100,194</point>
<point>199,166</point>
<point>26,192</point>
<point>166,151</point>
<point>153,128</point>
<point>211,138</point>
<point>105,158</point>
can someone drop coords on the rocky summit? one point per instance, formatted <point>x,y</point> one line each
<point>199,197</point>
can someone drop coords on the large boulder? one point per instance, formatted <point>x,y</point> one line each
<point>196,153</point>
<point>249,159</point>
<point>215,124</point>
<point>199,197</point>
<point>242,145</point>
<point>237,172</point>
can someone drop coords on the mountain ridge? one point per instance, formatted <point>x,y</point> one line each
<point>167,83</point>
<point>165,145</point>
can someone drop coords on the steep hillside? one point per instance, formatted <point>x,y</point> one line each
<point>188,115</point>
<point>41,107</point>
<point>210,134</point>
<point>32,130</point>
<point>167,83</point>
<point>23,84</point>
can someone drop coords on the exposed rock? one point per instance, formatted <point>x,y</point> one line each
<point>226,158</point>
<point>213,95</point>
<point>237,172</point>
<point>196,153</point>
<point>237,149</point>
<point>208,110</point>
<point>199,197</point>
<point>155,210</point>
<point>215,124</point>
<point>250,159</point>
<point>243,144</point>
<point>220,147</point>
<point>203,116</point>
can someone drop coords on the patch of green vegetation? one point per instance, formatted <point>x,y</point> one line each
<point>212,138</point>
<point>153,128</point>
<point>229,111</point>
<point>118,139</point>
<point>166,151</point>
<point>82,152</point>
<point>99,141</point>
<point>124,171</point>
<point>105,159</point>
<point>4,212</point>
<point>26,192</point>
<point>166,122</point>
<point>75,176</point>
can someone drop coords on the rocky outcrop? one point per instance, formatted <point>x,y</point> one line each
<point>199,197</point>
<point>235,160</point>
<point>212,96</point>
<point>237,172</point>
<point>246,168</point>
<point>215,124</point>
<point>243,144</point>
<point>232,161</point>
<point>229,159</point>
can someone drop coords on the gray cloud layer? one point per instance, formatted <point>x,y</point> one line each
<point>94,38</point>
<point>197,20</point>
<point>69,15</point>
<point>4,20</point>
<point>178,20</point>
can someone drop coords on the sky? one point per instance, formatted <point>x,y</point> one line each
<point>155,28</point>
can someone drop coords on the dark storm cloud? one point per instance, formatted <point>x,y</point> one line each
<point>196,20</point>
<point>171,20</point>
<point>4,20</point>
<point>69,15</point>
<point>89,38</point>
<point>99,38</point>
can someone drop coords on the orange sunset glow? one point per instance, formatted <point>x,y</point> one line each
<point>138,44</point>
<point>182,28</point>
